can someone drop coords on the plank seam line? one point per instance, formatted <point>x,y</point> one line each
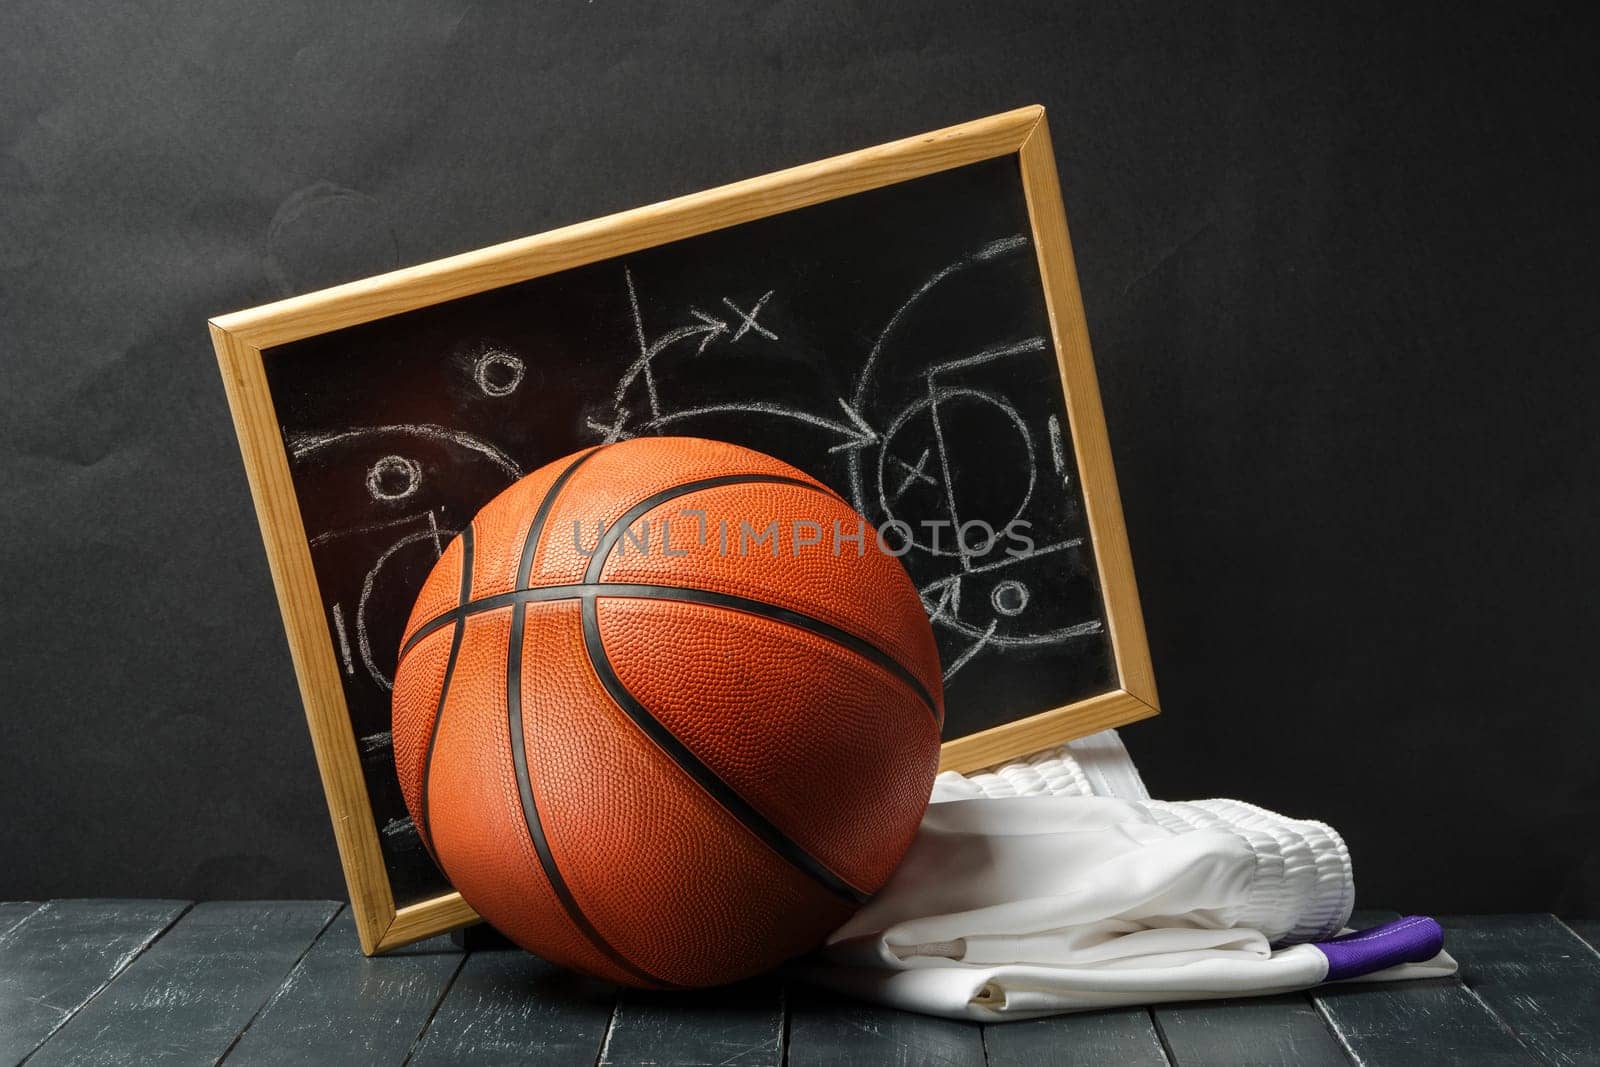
<point>1579,938</point>
<point>444,991</point>
<point>5,935</point>
<point>611,1028</point>
<point>1161,1036</point>
<point>1338,1035</point>
<point>783,1028</point>
<point>1485,1005</point>
<point>276,993</point>
<point>116,973</point>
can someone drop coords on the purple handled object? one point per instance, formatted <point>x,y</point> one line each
<point>1412,939</point>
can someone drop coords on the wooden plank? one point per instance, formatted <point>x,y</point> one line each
<point>65,953</point>
<point>338,1006</point>
<point>737,1025</point>
<point>505,1004</point>
<point>187,997</point>
<point>13,912</point>
<point>1239,1033</point>
<point>1433,1021</point>
<point>1540,978</point>
<point>828,1029</point>
<point>1125,1036</point>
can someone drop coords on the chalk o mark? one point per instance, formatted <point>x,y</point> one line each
<point>394,478</point>
<point>1009,597</point>
<point>498,372</point>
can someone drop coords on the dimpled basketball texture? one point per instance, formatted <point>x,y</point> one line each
<point>653,757</point>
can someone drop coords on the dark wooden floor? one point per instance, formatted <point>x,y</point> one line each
<point>138,981</point>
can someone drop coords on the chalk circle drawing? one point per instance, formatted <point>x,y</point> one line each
<point>924,415</point>
<point>497,372</point>
<point>393,478</point>
<point>404,548</point>
<point>1010,597</point>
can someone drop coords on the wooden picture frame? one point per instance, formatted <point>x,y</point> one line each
<point>241,338</point>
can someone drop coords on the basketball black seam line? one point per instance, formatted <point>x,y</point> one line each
<point>723,794</point>
<point>519,754</point>
<point>463,600</point>
<point>669,743</point>
<point>608,540</point>
<point>611,536</point>
<point>679,594</point>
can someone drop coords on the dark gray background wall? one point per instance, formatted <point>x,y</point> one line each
<point>1339,270</point>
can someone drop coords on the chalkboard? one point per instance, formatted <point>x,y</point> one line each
<point>895,341</point>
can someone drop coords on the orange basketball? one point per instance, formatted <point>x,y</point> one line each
<point>667,712</point>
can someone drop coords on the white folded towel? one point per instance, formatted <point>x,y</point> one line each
<point>1025,895</point>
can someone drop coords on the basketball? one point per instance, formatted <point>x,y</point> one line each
<point>667,712</point>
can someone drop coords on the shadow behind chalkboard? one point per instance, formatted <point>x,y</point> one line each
<point>894,343</point>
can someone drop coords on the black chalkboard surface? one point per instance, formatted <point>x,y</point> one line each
<point>896,342</point>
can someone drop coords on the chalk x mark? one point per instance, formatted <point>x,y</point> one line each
<point>748,318</point>
<point>914,473</point>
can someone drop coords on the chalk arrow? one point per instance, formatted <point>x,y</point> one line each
<point>860,433</point>
<point>708,329</point>
<point>856,432</point>
<point>714,328</point>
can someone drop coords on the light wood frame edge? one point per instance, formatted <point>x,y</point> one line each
<point>1136,696</point>
<point>244,379</point>
<point>241,337</point>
